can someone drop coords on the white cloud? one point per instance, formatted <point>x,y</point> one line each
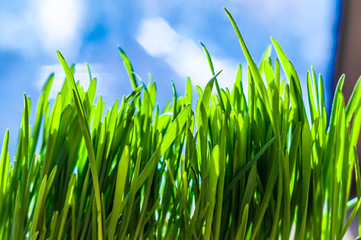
<point>43,26</point>
<point>184,55</point>
<point>157,37</point>
<point>59,24</point>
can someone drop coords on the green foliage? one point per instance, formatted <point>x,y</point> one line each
<point>238,166</point>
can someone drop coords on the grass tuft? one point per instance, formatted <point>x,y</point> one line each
<point>238,166</point>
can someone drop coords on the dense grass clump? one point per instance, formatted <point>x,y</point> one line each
<point>234,167</point>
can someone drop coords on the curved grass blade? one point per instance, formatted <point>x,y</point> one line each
<point>243,227</point>
<point>129,68</point>
<point>213,73</point>
<point>68,199</point>
<point>254,71</point>
<point>349,220</point>
<point>85,130</point>
<point>119,191</point>
<point>248,166</point>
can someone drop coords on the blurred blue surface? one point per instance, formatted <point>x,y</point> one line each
<point>160,37</point>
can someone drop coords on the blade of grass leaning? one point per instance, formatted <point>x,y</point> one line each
<point>129,68</point>
<point>132,192</point>
<point>221,179</point>
<point>266,55</point>
<point>213,73</point>
<point>40,112</point>
<point>85,130</point>
<point>249,165</point>
<point>213,179</point>
<point>119,191</point>
<point>243,227</point>
<point>265,201</point>
<point>4,165</point>
<point>254,70</point>
<point>349,220</point>
<point>38,207</point>
<point>34,236</point>
<point>354,99</point>
<point>358,184</point>
<point>68,198</point>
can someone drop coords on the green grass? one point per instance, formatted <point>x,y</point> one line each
<point>235,167</point>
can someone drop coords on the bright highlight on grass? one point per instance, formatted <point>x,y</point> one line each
<point>232,168</point>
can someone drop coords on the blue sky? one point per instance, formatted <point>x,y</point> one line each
<point>160,37</point>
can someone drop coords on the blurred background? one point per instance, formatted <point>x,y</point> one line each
<point>162,38</point>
